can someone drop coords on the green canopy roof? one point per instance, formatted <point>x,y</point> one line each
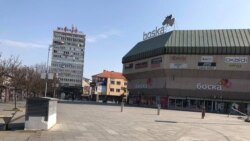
<point>214,42</point>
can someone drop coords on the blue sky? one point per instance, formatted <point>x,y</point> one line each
<point>112,27</point>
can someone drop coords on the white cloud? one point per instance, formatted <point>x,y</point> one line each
<point>20,44</point>
<point>105,35</point>
<point>91,39</point>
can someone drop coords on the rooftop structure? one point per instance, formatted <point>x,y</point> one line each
<point>214,42</point>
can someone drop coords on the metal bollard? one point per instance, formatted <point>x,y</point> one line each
<point>203,111</point>
<point>122,105</point>
<point>158,109</point>
<point>97,98</point>
<point>248,116</point>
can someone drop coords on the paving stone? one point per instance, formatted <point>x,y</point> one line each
<point>91,122</point>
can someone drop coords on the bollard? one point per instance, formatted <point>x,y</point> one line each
<point>97,98</point>
<point>248,116</point>
<point>203,112</point>
<point>122,105</point>
<point>158,109</point>
<point>247,119</point>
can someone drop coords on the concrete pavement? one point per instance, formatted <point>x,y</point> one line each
<point>88,122</point>
<point>18,117</point>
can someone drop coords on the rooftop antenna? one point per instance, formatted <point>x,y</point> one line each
<point>76,30</point>
<point>73,28</point>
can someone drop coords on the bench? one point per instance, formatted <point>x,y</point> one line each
<point>7,118</point>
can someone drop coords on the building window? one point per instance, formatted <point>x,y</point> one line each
<point>112,89</point>
<point>112,82</point>
<point>118,83</point>
<point>118,90</point>
<point>125,83</point>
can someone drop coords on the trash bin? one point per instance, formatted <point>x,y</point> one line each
<point>40,113</point>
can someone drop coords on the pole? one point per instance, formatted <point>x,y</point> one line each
<point>46,79</point>
<point>97,97</point>
<point>54,94</point>
<point>45,93</point>
<point>15,97</point>
<point>158,109</point>
<point>122,105</point>
<point>248,115</point>
<point>54,84</point>
<point>203,110</point>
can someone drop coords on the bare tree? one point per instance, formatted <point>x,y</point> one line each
<point>7,66</point>
<point>23,78</point>
<point>40,68</point>
<point>37,84</point>
<point>32,85</point>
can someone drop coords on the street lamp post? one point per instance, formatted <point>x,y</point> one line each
<point>15,98</point>
<point>55,84</point>
<point>47,69</point>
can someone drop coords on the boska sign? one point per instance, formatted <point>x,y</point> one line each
<point>201,86</point>
<point>156,32</point>
<point>240,60</point>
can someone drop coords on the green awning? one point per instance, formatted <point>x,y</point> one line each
<point>210,42</point>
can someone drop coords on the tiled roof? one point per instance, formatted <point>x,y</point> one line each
<point>227,41</point>
<point>110,74</point>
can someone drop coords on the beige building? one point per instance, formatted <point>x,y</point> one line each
<point>191,68</point>
<point>110,83</point>
<point>85,87</point>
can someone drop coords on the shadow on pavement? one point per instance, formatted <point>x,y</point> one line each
<point>88,102</point>
<point>12,126</point>
<point>165,121</point>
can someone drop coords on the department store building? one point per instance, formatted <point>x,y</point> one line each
<point>185,69</point>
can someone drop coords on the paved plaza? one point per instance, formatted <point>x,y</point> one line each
<point>90,122</point>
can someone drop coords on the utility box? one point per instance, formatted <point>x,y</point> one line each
<point>40,113</point>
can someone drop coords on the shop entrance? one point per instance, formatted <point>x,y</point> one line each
<point>192,104</point>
